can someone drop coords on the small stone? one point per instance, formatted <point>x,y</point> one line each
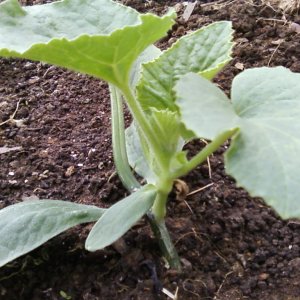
<point>295,263</point>
<point>187,265</point>
<point>263,276</point>
<point>239,66</point>
<point>171,41</point>
<point>178,7</point>
<point>70,171</point>
<point>120,246</point>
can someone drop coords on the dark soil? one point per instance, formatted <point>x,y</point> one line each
<point>231,245</point>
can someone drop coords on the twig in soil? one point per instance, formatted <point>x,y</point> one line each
<point>209,168</point>
<point>221,285</point>
<point>208,161</point>
<point>217,4</point>
<point>189,10</point>
<point>187,234</point>
<point>5,149</point>
<point>284,21</point>
<point>113,174</point>
<point>192,292</point>
<point>200,189</point>
<point>188,206</point>
<point>220,256</point>
<point>273,54</point>
<point>170,295</point>
<point>123,287</point>
<point>11,118</point>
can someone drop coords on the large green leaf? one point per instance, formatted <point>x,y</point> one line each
<point>97,37</point>
<point>205,51</point>
<point>27,225</point>
<point>264,155</point>
<point>119,218</point>
<point>204,108</point>
<point>264,158</point>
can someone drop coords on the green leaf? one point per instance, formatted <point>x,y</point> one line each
<point>27,225</point>
<point>205,51</point>
<point>119,218</point>
<point>147,55</point>
<point>204,108</point>
<point>97,37</point>
<point>264,158</point>
<point>167,126</point>
<point>136,156</point>
<point>264,154</point>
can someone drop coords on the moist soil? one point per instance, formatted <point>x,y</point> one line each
<point>231,246</point>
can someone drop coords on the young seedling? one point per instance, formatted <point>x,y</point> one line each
<point>172,101</point>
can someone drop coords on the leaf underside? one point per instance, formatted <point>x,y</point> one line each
<point>97,37</point>
<point>136,156</point>
<point>27,225</point>
<point>264,155</point>
<point>119,218</point>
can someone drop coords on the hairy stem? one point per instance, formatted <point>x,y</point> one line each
<point>118,142</point>
<point>165,242</point>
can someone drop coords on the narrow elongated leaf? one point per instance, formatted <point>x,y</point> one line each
<point>120,218</point>
<point>97,37</point>
<point>264,155</point>
<point>205,51</point>
<point>27,225</point>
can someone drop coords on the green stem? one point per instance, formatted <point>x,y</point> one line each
<point>164,187</point>
<point>165,242</point>
<point>121,161</point>
<point>150,136</point>
<point>118,142</point>
<point>204,153</point>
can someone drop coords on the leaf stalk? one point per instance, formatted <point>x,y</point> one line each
<point>118,141</point>
<point>204,153</point>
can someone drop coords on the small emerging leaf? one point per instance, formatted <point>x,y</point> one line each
<point>166,124</point>
<point>27,225</point>
<point>119,218</point>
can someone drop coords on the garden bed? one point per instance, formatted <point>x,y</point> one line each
<point>231,245</point>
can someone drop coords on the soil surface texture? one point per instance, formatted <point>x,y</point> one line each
<point>231,246</point>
